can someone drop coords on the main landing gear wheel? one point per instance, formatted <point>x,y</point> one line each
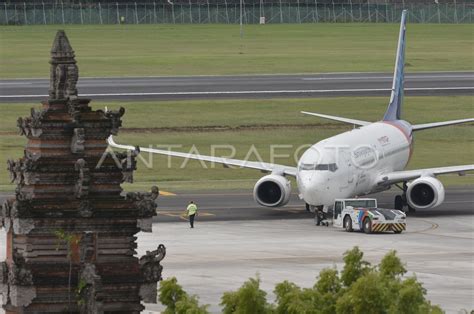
<point>401,200</point>
<point>398,202</point>
<point>348,224</point>
<point>308,209</point>
<point>367,226</point>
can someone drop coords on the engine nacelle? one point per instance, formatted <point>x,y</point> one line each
<point>272,191</point>
<point>425,192</point>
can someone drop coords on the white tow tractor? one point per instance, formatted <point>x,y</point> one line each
<point>364,215</point>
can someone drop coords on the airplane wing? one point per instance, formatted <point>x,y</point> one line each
<point>262,166</point>
<point>407,175</point>
<point>417,127</point>
<point>335,118</point>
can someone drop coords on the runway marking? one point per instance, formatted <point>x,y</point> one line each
<point>432,227</point>
<point>289,76</point>
<point>256,207</point>
<point>15,83</point>
<point>181,214</point>
<point>247,92</point>
<point>166,193</point>
<point>381,77</point>
<point>289,210</point>
<point>236,75</point>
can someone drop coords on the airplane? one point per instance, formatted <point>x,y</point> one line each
<point>367,159</point>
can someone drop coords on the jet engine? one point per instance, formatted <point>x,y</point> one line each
<point>425,192</point>
<point>272,191</point>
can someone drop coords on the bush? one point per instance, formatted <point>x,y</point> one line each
<point>359,288</point>
<point>176,300</point>
<point>248,299</point>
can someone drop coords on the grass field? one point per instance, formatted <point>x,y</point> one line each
<point>143,50</point>
<point>243,123</point>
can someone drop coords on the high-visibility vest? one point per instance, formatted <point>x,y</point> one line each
<point>192,209</point>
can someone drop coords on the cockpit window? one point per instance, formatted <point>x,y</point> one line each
<point>320,167</point>
<point>307,166</point>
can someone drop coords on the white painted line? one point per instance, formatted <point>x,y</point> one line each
<point>248,92</point>
<point>239,75</point>
<point>408,77</point>
<point>16,83</point>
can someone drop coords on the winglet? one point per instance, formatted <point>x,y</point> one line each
<point>396,98</point>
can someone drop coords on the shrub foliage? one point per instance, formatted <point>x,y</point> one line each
<point>358,288</point>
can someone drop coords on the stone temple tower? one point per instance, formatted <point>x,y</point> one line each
<point>70,230</point>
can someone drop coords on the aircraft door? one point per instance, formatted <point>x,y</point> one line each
<point>348,168</point>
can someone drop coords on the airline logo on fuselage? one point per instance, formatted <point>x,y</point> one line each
<point>384,140</point>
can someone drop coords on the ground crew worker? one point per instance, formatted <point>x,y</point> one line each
<point>192,212</point>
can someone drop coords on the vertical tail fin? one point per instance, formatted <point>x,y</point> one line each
<point>394,109</point>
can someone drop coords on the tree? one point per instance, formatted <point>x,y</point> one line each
<point>359,288</point>
<point>177,301</point>
<point>354,266</point>
<point>391,265</point>
<point>247,299</point>
<point>366,295</point>
<point>291,299</point>
<point>190,305</point>
<point>329,287</point>
<point>286,292</point>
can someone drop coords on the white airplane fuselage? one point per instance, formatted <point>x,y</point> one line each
<point>348,164</point>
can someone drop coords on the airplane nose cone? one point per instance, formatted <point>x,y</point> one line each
<point>310,186</point>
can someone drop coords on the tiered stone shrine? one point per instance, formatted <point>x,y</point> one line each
<point>70,233</point>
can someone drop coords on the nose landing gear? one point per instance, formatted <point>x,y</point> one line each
<point>320,217</point>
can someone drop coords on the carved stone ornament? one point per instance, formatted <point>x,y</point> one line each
<point>90,288</point>
<point>13,208</point>
<point>150,264</point>
<point>115,119</point>
<point>82,184</point>
<point>87,247</point>
<point>145,202</point>
<point>31,126</point>
<point>77,142</point>
<point>127,176</point>
<point>14,169</point>
<point>3,273</point>
<point>19,275</point>
<point>64,72</point>
<point>85,209</point>
<point>22,195</point>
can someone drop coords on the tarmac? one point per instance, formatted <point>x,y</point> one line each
<point>235,239</point>
<point>218,256</point>
<point>246,86</point>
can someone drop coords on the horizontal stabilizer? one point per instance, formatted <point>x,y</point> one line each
<point>340,119</point>
<point>418,127</point>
